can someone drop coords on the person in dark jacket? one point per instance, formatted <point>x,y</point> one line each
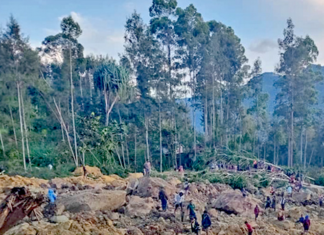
<point>164,199</point>
<point>205,221</point>
<point>306,224</point>
<point>283,202</point>
<point>195,227</point>
<point>256,212</point>
<point>274,203</point>
<point>268,203</point>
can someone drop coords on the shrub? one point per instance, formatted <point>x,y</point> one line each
<point>320,180</point>
<point>264,182</point>
<point>237,182</point>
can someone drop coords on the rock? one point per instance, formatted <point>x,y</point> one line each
<point>132,186</point>
<point>59,183</point>
<point>59,219</point>
<point>234,202</point>
<point>93,172</point>
<point>114,216</point>
<point>135,175</point>
<point>59,209</point>
<point>301,197</point>
<point>134,231</point>
<point>87,201</point>
<point>174,181</point>
<point>213,213</point>
<point>284,225</point>
<point>138,206</point>
<point>150,187</point>
<point>22,229</point>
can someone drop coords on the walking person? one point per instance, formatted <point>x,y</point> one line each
<point>274,203</point>
<point>306,224</point>
<point>195,227</point>
<point>205,221</point>
<point>268,203</point>
<point>256,212</point>
<point>164,199</point>
<point>191,208</point>
<point>178,202</point>
<point>321,200</point>
<point>249,228</point>
<point>283,202</point>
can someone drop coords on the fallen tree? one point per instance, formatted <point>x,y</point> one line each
<point>17,205</point>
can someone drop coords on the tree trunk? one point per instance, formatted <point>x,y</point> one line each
<point>66,132</point>
<point>301,146</point>
<point>135,148</point>
<point>72,110</point>
<point>63,139</point>
<point>21,128</point>
<point>194,130</point>
<point>25,128</point>
<point>274,152</point>
<point>214,116</point>
<point>2,144</point>
<point>205,118</point>
<point>311,156</point>
<point>160,129</point>
<point>13,126</point>
<point>306,143</point>
<point>147,139</point>
<point>90,86</point>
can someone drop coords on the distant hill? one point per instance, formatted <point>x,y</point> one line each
<point>268,79</point>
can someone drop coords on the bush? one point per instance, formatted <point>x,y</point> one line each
<point>264,182</point>
<point>215,179</point>
<point>199,164</point>
<point>237,182</point>
<point>320,180</point>
<point>114,169</point>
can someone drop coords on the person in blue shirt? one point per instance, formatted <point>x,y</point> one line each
<point>51,196</point>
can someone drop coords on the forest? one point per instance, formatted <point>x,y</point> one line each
<point>61,107</point>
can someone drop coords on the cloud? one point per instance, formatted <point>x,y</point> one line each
<point>98,37</point>
<point>263,46</point>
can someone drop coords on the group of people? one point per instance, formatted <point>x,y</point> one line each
<point>179,201</point>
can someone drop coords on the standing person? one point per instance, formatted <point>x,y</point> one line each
<point>164,199</point>
<point>186,186</point>
<point>274,203</point>
<point>272,191</point>
<point>255,164</point>
<point>51,196</point>
<point>178,202</point>
<point>147,168</point>
<point>301,219</point>
<point>283,202</point>
<point>181,171</point>
<point>289,191</point>
<point>256,212</point>
<point>205,221</point>
<point>321,200</point>
<point>306,224</point>
<point>249,228</point>
<point>191,208</point>
<point>195,227</point>
<point>268,203</point>
<point>85,172</point>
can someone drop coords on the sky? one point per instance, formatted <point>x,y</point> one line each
<point>259,23</point>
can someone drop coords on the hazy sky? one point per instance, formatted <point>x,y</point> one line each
<point>259,23</point>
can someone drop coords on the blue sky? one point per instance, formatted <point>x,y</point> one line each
<point>259,23</point>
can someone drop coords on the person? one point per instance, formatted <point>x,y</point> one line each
<point>51,196</point>
<point>50,166</point>
<point>164,199</point>
<point>186,186</point>
<point>306,224</point>
<point>268,203</point>
<point>191,208</point>
<point>178,202</point>
<point>256,212</point>
<point>249,228</point>
<point>283,202</point>
<point>321,200</point>
<point>195,227</point>
<point>181,171</point>
<point>273,205</point>
<point>289,191</point>
<point>272,191</point>
<point>147,168</point>
<point>205,221</point>
<point>85,172</point>
<point>244,193</point>
<point>281,216</point>
<point>301,219</point>
<point>255,164</point>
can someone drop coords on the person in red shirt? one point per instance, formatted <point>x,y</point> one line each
<point>256,212</point>
<point>249,228</point>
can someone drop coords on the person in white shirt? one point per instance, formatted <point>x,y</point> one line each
<point>178,202</point>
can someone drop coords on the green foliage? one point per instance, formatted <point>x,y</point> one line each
<point>320,180</point>
<point>237,181</point>
<point>114,169</point>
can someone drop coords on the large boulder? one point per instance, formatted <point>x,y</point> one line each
<point>150,187</point>
<point>301,197</point>
<point>138,206</point>
<point>232,202</point>
<point>90,201</point>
